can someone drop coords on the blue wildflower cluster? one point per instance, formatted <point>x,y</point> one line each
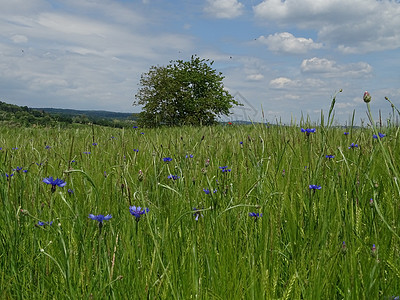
<point>173,177</point>
<point>380,135</point>
<point>225,169</point>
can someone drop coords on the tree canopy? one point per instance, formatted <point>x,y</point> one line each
<point>183,93</point>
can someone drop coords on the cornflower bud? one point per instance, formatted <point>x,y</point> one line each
<point>367,97</point>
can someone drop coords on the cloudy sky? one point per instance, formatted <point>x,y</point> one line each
<point>285,58</point>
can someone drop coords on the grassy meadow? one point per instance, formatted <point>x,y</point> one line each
<point>319,227</point>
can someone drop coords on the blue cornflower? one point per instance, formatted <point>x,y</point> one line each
<point>308,130</point>
<point>70,191</point>
<point>135,150</point>
<point>330,156</point>
<point>225,169</point>
<point>381,135</point>
<point>241,143</point>
<point>197,214</point>
<point>100,218</point>
<point>47,147</point>
<point>137,212</point>
<point>352,146</point>
<point>86,152</point>
<point>373,250</point>
<point>167,159</point>
<point>15,148</point>
<point>17,169</point>
<point>255,215</point>
<point>54,183</point>
<point>9,175</point>
<point>94,144</point>
<point>134,127</point>
<point>189,156</point>
<point>40,223</point>
<point>207,191</point>
<point>345,133</point>
<point>314,187</point>
<point>174,177</point>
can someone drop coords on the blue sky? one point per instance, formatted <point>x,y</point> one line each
<point>285,58</point>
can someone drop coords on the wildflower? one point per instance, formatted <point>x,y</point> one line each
<point>40,223</point>
<point>373,250</point>
<point>174,177</point>
<point>15,148</point>
<point>100,218</point>
<point>135,150</point>
<point>241,143</point>
<point>381,135</point>
<point>352,146</point>
<point>346,133</point>
<point>17,169</point>
<point>330,156</point>
<point>189,156</point>
<point>344,249</point>
<point>229,123</point>
<point>167,159</point>
<point>371,202</point>
<point>9,175</point>
<point>140,175</point>
<point>54,183</point>
<point>314,187</point>
<point>255,215</point>
<point>308,130</point>
<point>197,214</point>
<point>367,97</point>
<point>47,147</point>
<point>142,133</point>
<point>134,127</point>
<point>207,162</point>
<point>94,144</point>
<point>207,191</point>
<point>70,191</point>
<point>225,169</point>
<point>86,152</point>
<point>137,212</point>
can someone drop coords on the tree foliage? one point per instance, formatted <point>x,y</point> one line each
<point>183,93</point>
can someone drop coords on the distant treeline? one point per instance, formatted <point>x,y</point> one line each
<point>15,115</point>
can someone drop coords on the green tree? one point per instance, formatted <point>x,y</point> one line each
<point>183,93</point>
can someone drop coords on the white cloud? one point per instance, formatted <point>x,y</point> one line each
<point>288,43</point>
<point>255,77</point>
<point>281,82</point>
<point>357,26</point>
<point>330,68</point>
<point>224,9</point>
<point>19,39</point>
<point>287,83</point>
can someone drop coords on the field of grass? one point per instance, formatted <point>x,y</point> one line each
<point>197,239</point>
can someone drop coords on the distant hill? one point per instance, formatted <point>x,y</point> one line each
<point>97,114</point>
<point>14,115</point>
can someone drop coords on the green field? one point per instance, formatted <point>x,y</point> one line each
<point>308,243</point>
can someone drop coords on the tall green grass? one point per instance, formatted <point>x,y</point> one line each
<point>294,251</point>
